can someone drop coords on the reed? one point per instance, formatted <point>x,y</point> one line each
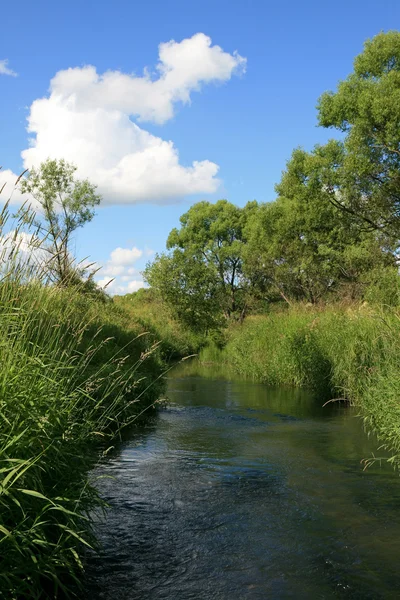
<point>72,374</point>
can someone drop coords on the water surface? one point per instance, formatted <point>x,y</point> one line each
<point>236,490</point>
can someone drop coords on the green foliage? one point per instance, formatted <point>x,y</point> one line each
<point>279,350</point>
<point>73,373</point>
<point>364,177</point>
<point>188,287</point>
<point>350,353</point>
<point>383,287</point>
<point>202,278</point>
<point>303,248</point>
<point>64,205</point>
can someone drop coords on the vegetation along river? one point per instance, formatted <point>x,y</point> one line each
<point>236,490</point>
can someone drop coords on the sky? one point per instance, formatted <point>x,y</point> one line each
<point>162,104</point>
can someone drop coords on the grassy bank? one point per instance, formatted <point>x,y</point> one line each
<point>145,308</point>
<point>351,353</point>
<point>73,372</point>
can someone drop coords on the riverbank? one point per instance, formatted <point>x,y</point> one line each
<point>341,353</point>
<point>150,312</point>
<point>74,371</point>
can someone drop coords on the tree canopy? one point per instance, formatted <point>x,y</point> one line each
<point>360,174</point>
<point>303,248</point>
<point>202,275</point>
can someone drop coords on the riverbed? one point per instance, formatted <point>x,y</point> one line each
<point>240,491</point>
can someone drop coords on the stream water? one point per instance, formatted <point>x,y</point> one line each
<point>236,490</point>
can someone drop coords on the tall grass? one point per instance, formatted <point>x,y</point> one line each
<point>151,312</point>
<point>71,375</point>
<point>351,353</point>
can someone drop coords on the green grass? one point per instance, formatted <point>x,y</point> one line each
<point>351,353</point>
<point>73,372</point>
<point>145,308</point>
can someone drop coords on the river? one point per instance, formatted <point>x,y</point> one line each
<point>239,491</point>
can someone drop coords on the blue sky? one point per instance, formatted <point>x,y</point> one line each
<point>247,123</point>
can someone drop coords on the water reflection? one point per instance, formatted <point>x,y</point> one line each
<point>241,491</point>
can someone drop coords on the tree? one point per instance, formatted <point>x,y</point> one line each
<point>188,288</point>
<point>64,204</point>
<point>301,247</point>
<point>362,173</point>
<point>202,275</point>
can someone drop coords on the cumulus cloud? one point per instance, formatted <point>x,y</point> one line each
<point>133,286</point>
<point>87,119</point>
<point>183,67</point>
<point>5,70</point>
<point>8,188</point>
<point>118,275</point>
<point>125,256</point>
<point>113,287</point>
<point>26,247</point>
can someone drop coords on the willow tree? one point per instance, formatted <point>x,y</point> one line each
<point>63,204</point>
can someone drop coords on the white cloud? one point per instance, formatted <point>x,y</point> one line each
<point>106,283</point>
<point>26,247</point>
<point>116,275</point>
<point>10,192</point>
<point>86,119</point>
<point>183,67</point>
<point>112,270</point>
<point>133,286</point>
<point>125,256</point>
<point>5,70</point>
<point>114,287</point>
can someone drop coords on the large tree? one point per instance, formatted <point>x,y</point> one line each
<point>63,204</point>
<point>361,173</point>
<point>188,288</point>
<point>301,247</point>
<point>201,276</point>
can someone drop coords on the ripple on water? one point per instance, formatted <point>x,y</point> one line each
<point>243,492</point>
